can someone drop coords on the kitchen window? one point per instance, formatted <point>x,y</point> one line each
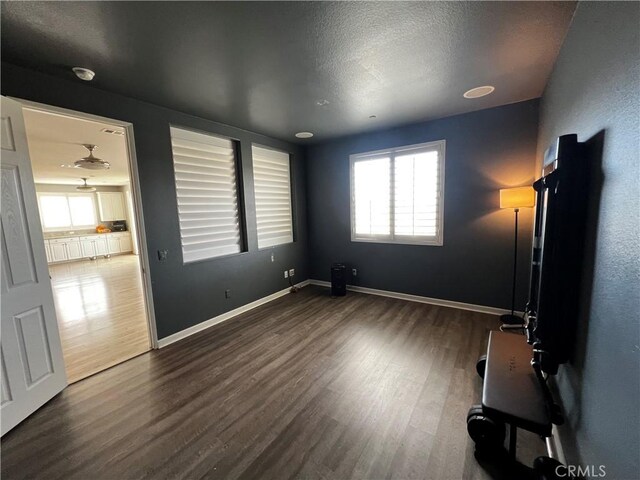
<point>62,211</point>
<point>397,195</point>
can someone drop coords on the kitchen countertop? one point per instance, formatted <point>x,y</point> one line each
<point>51,236</point>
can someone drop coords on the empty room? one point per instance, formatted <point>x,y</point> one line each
<point>320,240</point>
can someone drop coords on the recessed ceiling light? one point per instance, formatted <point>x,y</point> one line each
<point>479,91</point>
<point>84,73</point>
<point>323,102</point>
<point>304,135</point>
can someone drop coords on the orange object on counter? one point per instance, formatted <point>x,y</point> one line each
<point>102,229</point>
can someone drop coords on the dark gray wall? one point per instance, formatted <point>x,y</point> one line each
<point>594,92</point>
<point>184,295</point>
<point>485,151</point>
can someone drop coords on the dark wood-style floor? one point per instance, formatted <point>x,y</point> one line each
<point>303,387</point>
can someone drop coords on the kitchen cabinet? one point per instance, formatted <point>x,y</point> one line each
<point>73,249</point>
<point>119,242</point>
<point>64,249</point>
<point>47,251</point>
<point>101,245</point>
<point>88,247</point>
<point>94,245</point>
<point>58,252</point>
<point>111,206</point>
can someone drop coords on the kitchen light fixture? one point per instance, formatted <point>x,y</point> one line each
<point>90,162</point>
<point>84,73</point>
<point>85,187</point>
<point>304,135</point>
<point>479,91</point>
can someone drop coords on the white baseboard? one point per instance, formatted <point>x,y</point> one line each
<point>420,299</point>
<point>163,342</point>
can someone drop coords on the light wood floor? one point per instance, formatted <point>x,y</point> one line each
<point>303,387</point>
<point>101,313</point>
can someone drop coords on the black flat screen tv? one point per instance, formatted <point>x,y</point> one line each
<point>558,244</point>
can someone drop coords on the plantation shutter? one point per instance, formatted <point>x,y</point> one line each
<point>397,195</point>
<point>272,187</point>
<point>206,189</point>
<point>416,193</point>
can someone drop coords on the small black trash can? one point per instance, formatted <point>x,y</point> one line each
<point>338,280</point>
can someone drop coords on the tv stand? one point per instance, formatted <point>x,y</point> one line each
<point>514,393</point>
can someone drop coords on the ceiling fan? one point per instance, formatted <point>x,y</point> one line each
<point>85,187</point>
<point>90,162</point>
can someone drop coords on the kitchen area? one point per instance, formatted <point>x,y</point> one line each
<point>112,239</point>
<point>82,175</point>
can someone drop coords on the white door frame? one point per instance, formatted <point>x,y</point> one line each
<point>135,192</point>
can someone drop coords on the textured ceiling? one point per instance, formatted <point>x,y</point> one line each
<point>264,66</point>
<point>56,140</point>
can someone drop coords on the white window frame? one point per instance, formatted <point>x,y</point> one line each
<point>438,239</point>
<point>67,195</point>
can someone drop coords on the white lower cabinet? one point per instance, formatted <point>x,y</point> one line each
<point>94,245</point>
<point>47,251</point>
<point>125,243</point>
<point>119,242</point>
<point>58,251</point>
<point>88,246</point>
<point>64,249</point>
<point>74,251</point>
<point>101,245</point>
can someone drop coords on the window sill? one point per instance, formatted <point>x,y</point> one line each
<point>436,242</point>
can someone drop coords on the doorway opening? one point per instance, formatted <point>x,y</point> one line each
<point>87,194</point>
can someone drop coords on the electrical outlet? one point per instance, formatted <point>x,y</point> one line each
<point>273,257</point>
<point>227,294</point>
<point>286,274</point>
<point>292,272</point>
<point>354,272</point>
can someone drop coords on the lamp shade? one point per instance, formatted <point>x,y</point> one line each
<point>517,197</point>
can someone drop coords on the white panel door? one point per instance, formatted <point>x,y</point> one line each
<point>30,350</point>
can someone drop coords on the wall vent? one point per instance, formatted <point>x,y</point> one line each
<point>111,131</point>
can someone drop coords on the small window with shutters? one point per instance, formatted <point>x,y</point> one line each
<point>397,195</point>
<point>206,173</point>
<point>272,187</point>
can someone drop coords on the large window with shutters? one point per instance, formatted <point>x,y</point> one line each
<point>397,195</point>
<point>206,173</point>
<point>272,187</point>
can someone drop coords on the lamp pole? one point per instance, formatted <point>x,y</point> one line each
<point>512,319</point>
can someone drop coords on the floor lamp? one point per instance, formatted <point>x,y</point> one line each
<point>516,198</point>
